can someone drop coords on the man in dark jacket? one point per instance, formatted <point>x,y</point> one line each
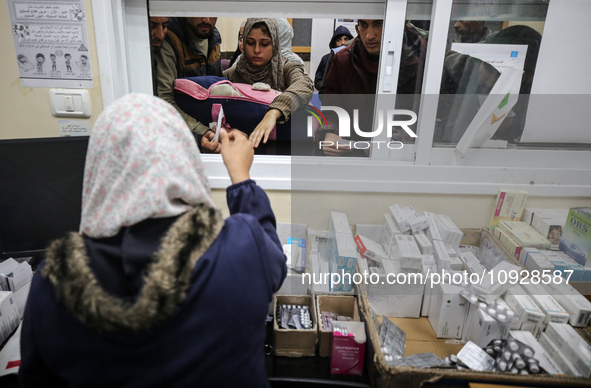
<point>354,70</point>
<point>341,37</point>
<point>158,29</point>
<point>192,47</point>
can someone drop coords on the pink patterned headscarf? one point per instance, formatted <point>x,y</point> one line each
<point>142,162</point>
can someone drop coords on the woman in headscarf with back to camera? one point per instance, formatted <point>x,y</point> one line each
<point>263,62</point>
<point>151,291</point>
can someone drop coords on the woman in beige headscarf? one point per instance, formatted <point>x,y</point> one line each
<point>151,291</point>
<point>262,61</point>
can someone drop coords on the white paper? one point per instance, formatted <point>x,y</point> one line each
<point>51,43</point>
<point>216,136</point>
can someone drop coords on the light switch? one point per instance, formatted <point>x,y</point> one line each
<point>69,102</point>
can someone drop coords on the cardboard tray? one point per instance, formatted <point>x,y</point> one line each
<point>291,342</point>
<point>421,338</point>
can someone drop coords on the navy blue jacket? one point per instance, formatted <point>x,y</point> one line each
<point>318,78</point>
<point>214,337</point>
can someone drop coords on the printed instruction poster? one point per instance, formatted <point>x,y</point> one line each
<point>51,43</point>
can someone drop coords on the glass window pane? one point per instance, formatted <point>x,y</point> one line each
<point>484,40</point>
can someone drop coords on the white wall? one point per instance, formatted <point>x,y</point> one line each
<point>313,208</point>
<point>25,112</point>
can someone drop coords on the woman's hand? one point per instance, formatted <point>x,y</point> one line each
<point>335,145</point>
<point>262,131</point>
<point>238,153</point>
<point>207,145</point>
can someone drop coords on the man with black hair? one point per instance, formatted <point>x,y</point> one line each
<point>192,47</point>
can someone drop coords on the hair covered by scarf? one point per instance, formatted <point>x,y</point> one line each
<point>142,162</point>
<point>270,73</point>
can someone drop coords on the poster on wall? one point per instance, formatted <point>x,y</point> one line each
<point>51,43</point>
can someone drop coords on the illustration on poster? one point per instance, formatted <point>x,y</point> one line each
<point>20,30</point>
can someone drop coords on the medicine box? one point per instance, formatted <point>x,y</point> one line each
<point>508,207</point>
<point>393,299</point>
<point>348,349</point>
<point>433,229</point>
<point>550,225</point>
<point>524,235</point>
<point>9,314</point>
<point>447,311</point>
<point>370,249</point>
<point>578,307</point>
<point>292,342</point>
<point>553,310</point>
<point>400,218</point>
<point>576,236</point>
<point>572,345</point>
<point>524,307</point>
<point>563,362</point>
<point>343,262</point>
<point>481,328</point>
<point>540,354</point>
<point>345,306</point>
<point>294,238</point>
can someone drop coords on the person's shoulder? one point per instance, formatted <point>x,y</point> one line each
<point>216,37</point>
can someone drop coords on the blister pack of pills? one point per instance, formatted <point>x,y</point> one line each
<point>517,357</point>
<point>294,317</point>
<point>496,310</point>
<point>475,358</point>
<point>329,318</point>
<point>393,340</point>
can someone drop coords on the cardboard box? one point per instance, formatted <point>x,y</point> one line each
<point>291,342</point>
<point>348,351</point>
<point>340,305</point>
<point>576,236</point>
<point>420,338</point>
